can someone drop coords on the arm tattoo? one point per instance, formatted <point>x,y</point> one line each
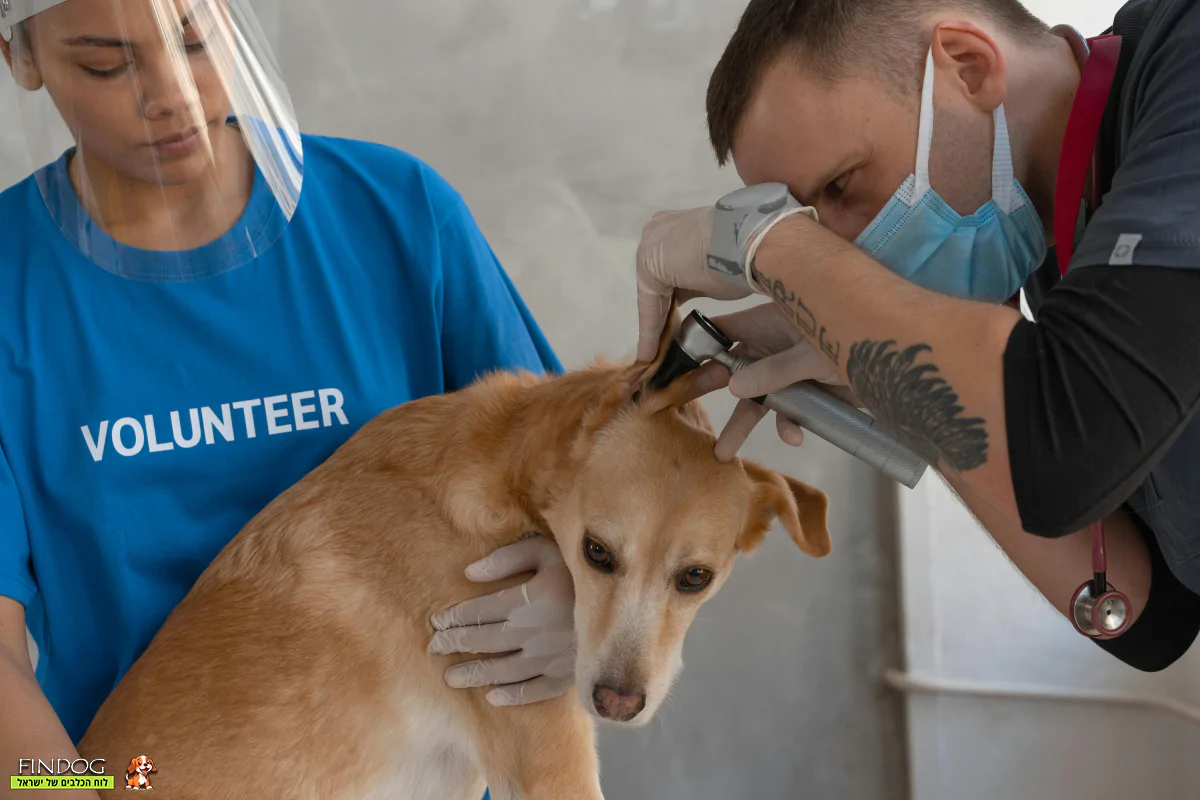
<point>912,401</point>
<point>909,398</point>
<point>800,315</point>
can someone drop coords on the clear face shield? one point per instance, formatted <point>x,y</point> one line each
<point>161,132</point>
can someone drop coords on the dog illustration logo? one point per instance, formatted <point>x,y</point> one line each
<point>137,771</point>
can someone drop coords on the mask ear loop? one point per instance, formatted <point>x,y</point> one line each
<point>924,134</point>
<point>1004,191</point>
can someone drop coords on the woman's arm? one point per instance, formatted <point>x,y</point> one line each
<point>29,728</point>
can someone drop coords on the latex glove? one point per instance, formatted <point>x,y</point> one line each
<point>673,254</point>
<point>673,257</point>
<point>536,618</point>
<point>783,358</point>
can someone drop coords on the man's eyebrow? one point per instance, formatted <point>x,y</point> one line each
<point>105,41</point>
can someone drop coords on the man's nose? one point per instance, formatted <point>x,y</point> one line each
<point>618,705</point>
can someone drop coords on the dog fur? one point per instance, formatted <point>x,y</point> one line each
<point>297,667</point>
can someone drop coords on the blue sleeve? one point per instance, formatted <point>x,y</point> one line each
<point>16,574</point>
<point>485,323</point>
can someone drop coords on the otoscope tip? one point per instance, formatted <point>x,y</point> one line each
<point>676,363</point>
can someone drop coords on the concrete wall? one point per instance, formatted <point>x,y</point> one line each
<point>565,124</point>
<point>970,617</point>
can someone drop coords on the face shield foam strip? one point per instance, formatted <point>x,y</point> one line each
<point>15,11</point>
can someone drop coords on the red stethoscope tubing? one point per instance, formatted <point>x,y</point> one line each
<point>1099,557</point>
<point>1076,161</point>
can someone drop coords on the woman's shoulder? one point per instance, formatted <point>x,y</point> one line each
<point>351,165</point>
<point>15,200</point>
<point>22,211</point>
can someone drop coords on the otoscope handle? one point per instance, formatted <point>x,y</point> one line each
<point>842,425</point>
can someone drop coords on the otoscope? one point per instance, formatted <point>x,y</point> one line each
<point>804,403</point>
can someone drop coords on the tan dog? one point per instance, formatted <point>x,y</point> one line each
<point>297,666</point>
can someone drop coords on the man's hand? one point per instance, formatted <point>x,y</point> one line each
<point>704,252</point>
<point>536,619</point>
<point>673,254</point>
<point>782,358</point>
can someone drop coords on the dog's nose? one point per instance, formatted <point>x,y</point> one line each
<point>617,706</point>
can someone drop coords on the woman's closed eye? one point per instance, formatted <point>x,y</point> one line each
<point>109,70</point>
<point>104,71</point>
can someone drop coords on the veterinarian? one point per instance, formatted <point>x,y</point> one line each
<point>945,146</point>
<point>929,139</point>
<point>198,305</point>
<point>936,160</point>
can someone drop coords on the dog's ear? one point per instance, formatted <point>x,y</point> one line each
<point>151,763</point>
<point>132,768</point>
<point>639,377</point>
<point>802,509</point>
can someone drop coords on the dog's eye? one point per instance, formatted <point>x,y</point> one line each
<point>597,554</point>
<point>695,579</point>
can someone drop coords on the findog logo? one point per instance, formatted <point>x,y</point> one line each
<point>138,771</point>
<point>60,773</point>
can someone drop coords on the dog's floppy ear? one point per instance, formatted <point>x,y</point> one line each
<point>151,763</point>
<point>132,768</point>
<point>802,509</point>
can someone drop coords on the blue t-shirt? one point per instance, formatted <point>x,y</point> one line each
<point>146,416</point>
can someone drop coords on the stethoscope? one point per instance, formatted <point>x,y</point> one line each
<point>1098,609</point>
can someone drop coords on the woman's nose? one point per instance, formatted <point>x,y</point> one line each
<point>165,86</point>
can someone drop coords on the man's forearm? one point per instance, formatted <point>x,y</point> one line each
<point>1057,567</point>
<point>929,367</point>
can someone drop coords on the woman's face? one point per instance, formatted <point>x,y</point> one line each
<point>133,80</point>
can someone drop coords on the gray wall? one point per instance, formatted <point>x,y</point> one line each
<point>565,124</point>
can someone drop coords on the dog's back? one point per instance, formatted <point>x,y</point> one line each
<point>296,667</point>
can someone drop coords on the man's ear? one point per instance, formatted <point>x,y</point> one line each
<point>802,509</point>
<point>976,61</point>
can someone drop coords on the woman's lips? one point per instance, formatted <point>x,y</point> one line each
<point>177,144</point>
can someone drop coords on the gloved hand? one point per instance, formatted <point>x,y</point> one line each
<point>673,258</point>
<point>783,358</point>
<point>673,254</point>
<point>536,618</point>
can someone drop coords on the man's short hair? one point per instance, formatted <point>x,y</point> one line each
<point>833,38</point>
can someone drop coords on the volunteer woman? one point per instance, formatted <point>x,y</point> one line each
<point>198,304</point>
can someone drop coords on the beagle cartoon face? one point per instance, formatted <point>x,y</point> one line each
<point>136,772</point>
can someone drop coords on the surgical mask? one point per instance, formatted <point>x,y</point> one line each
<point>985,256</point>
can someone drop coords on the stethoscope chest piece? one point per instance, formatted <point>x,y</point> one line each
<point>1106,615</point>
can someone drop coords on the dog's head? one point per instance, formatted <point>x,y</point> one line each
<point>140,764</point>
<point>650,532</point>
